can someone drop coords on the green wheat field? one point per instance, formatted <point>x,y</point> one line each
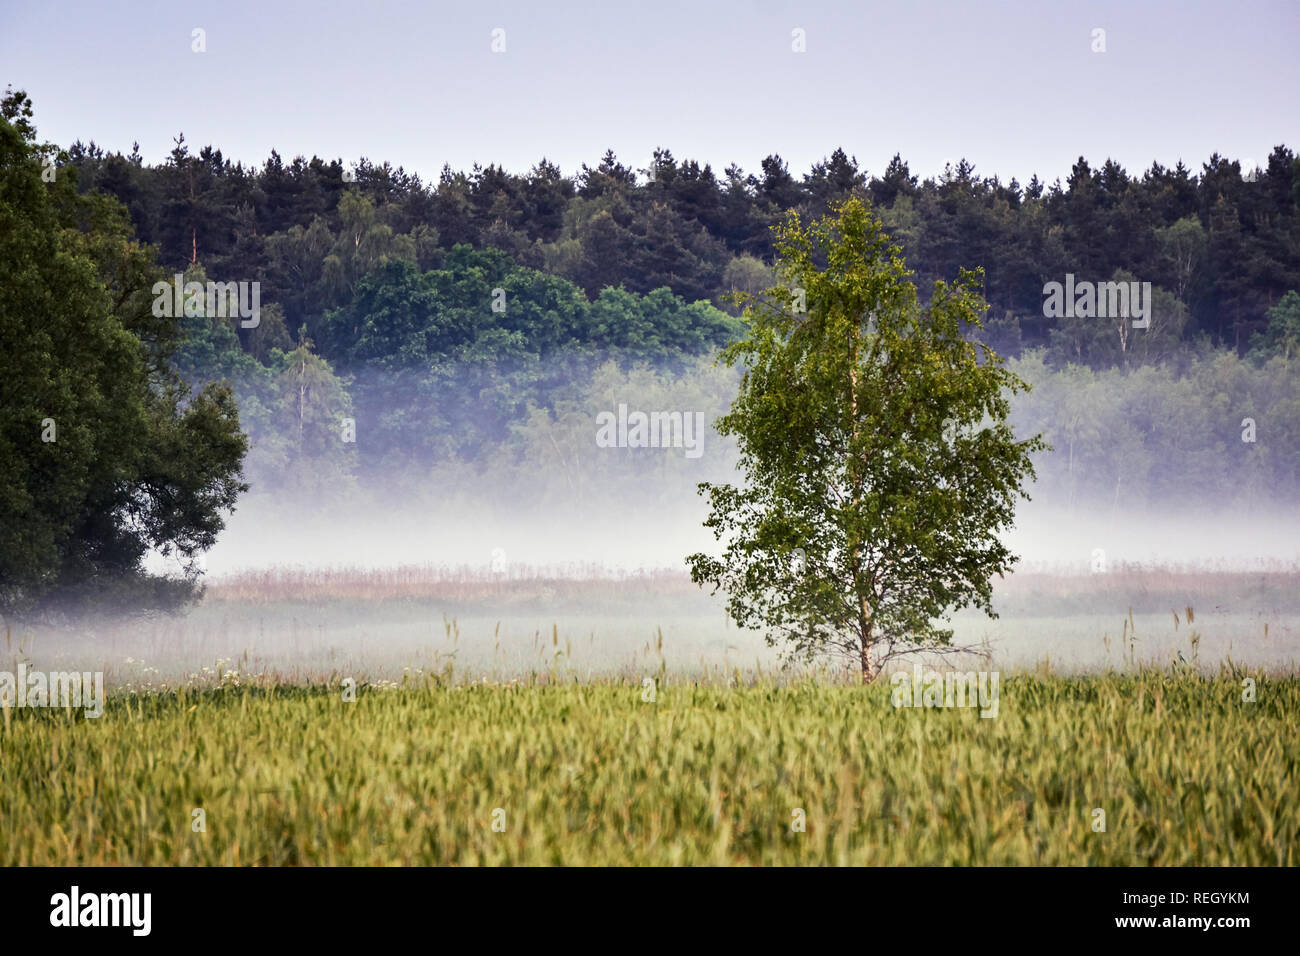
<point>545,771</point>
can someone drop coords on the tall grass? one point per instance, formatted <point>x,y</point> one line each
<point>1186,771</point>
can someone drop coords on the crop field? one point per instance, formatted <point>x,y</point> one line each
<point>687,469</point>
<point>427,715</point>
<point>1153,767</point>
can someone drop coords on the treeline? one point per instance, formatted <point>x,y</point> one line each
<point>1222,432</point>
<point>1221,246</point>
<point>465,335</point>
<point>420,368</point>
<point>469,343</point>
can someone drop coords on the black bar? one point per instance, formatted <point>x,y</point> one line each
<point>239,907</point>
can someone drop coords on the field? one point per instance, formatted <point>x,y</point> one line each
<point>1186,771</point>
<point>522,691</point>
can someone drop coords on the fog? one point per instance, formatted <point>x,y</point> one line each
<point>634,536</point>
<point>485,597</point>
<point>548,553</point>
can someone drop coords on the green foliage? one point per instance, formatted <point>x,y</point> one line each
<point>1162,436</point>
<point>448,360</point>
<point>303,437</point>
<point>1226,248</point>
<point>550,460</point>
<point>1282,336</point>
<point>393,279</point>
<point>1107,342</point>
<point>209,349</point>
<point>659,327</point>
<point>104,456</point>
<point>873,439</point>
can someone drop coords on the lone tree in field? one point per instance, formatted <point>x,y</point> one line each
<point>877,458</point>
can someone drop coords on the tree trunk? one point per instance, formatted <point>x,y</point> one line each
<point>302,398</point>
<point>868,666</point>
<point>864,610</point>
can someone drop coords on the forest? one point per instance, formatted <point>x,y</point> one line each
<point>1222,243</point>
<point>467,334</point>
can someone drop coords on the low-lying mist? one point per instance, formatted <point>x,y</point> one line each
<point>396,590</point>
<point>637,531</point>
<point>557,552</point>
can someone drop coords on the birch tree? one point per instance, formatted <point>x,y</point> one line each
<point>877,463</point>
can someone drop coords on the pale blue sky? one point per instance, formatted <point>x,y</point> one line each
<point>1012,86</point>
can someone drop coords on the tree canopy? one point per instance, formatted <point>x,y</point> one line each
<point>1222,241</point>
<point>877,460</point>
<point>105,455</point>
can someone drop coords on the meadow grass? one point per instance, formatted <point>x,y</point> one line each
<point>1187,772</point>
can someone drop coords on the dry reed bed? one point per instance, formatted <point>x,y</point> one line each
<point>1038,590</point>
<point>442,583</point>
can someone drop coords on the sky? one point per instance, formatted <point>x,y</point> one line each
<point>1014,87</point>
